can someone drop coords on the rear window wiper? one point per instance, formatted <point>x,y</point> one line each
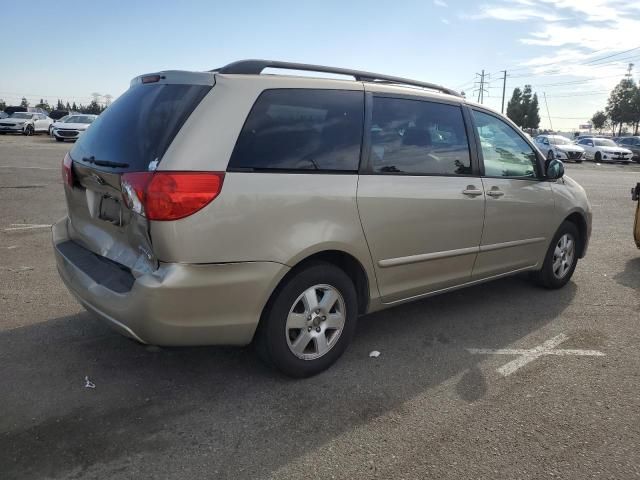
<point>104,163</point>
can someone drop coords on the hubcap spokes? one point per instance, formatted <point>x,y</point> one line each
<point>563,256</point>
<point>315,322</point>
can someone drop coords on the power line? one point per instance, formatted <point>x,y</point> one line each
<point>574,82</point>
<point>548,114</point>
<point>579,94</point>
<point>612,55</point>
<point>563,62</point>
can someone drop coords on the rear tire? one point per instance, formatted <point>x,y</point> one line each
<point>317,343</point>
<point>561,258</point>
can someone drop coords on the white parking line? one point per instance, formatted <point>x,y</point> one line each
<point>529,355</point>
<point>25,226</point>
<point>34,168</point>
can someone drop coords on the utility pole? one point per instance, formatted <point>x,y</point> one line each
<point>504,88</point>
<point>482,89</point>
<point>629,70</point>
<point>547,107</point>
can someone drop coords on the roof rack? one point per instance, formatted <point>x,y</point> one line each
<point>255,67</point>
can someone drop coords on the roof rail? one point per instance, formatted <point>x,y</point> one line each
<point>255,67</point>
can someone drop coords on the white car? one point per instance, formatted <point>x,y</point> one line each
<point>71,127</point>
<point>559,147</point>
<point>26,123</point>
<point>605,150</point>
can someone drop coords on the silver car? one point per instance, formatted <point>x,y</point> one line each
<point>230,207</point>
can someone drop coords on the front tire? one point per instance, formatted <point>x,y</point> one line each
<point>28,131</point>
<point>598,157</point>
<point>309,322</point>
<point>561,258</point>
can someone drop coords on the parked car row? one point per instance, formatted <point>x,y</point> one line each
<point>597,149</point>
<point>67,127</point>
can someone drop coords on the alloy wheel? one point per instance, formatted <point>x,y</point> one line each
<point>315,322</point>
<point>563,256</point>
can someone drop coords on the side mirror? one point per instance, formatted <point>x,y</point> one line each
<point>555,169</point>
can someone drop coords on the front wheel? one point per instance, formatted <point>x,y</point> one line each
<point>561,258</point>
<point>309,322</point>
<point>29,130</point>
<point>598,157</point>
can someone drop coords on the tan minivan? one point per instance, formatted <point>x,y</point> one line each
<point>233,206</point>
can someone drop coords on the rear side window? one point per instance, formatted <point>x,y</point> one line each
<point>139,126</point>
<point>417,137</point>
<point>295,129</point>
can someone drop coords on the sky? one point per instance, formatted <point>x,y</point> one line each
<point>571,50</point>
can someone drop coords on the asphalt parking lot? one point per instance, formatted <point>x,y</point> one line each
<point>430,406</point>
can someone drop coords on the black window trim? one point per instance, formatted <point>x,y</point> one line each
<point>298,171</point>
<point>540,177</point>
<point>365,160</point>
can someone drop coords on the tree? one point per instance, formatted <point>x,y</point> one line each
<point>523,108</point>
<point>514,107</point>
<point>94,108</point>
<point>533,115</point>
<point>599,120</point>
<point>635,111</point>
<point>59,105</point>
<point>3,104</point>
<point>24,103</point>
<point>74,106</point>
<point>68,107</point>
<point>620,108</point>
<point>44,105</point>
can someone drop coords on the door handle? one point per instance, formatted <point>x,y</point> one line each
<point>472,191</point>
<point>495,192</point>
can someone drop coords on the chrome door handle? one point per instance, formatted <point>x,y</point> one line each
<point>494,192</point>
<point>472,191</point>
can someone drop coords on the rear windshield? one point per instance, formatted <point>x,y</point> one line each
<point>139,126</point>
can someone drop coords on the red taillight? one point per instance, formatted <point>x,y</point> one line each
<point>170,195</point>
<point>67,170</point>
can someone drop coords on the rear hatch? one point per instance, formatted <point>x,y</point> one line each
<point>130,136</point>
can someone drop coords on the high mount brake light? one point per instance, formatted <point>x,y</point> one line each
<point>166,195</point>
<point>151,79</point>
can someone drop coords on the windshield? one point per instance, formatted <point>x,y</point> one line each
<point>137,128</point>
<point>79,119</point>
<point>22,115</point>
<point>604,142</point>
<point>559,141</point>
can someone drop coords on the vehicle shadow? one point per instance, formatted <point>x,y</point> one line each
<point>630,276</point>
<point>220,410</point>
